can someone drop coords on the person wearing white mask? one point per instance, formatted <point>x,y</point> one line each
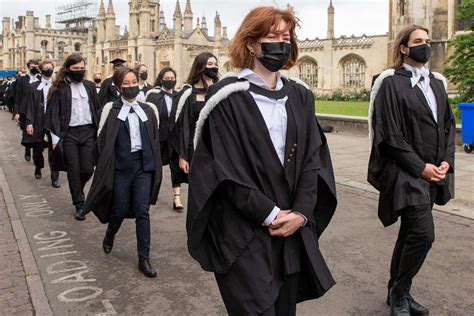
<point>128,174</point>
<point>35,107</point>
<point>412,131</point>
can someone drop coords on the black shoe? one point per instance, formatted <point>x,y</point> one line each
<point>145,267</point>
<point>80,216</point>
<point>399,305</point>
<point>27,156</point>
<point>108,243</point>
<point>417,309</point>
<point>55,184</point>
<point>38,173</point>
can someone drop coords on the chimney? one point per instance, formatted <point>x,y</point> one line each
<point>37,23</point>
<point>224,32</point>
<point>48,22</point>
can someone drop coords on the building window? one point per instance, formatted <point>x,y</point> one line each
<point>353,72</point>
<point>461,25</point>
<point>44,44</point>
<point>77,47</point>
<point>308,69</point>
<point>402,5</point>
<point>61,46</point>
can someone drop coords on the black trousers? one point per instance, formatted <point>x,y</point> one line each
<point>78,146</point>
<point>285,305</point>
<point>38,159</point>
<point>413,244</point>
<point>131,192</point>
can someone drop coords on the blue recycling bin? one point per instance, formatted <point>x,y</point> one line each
<point>467,120</point>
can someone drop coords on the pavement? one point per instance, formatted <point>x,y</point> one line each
<point>51,264</point>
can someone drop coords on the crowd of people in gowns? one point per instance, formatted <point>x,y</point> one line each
<point>255,158</point>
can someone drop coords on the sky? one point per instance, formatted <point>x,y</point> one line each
<point>356,17</point>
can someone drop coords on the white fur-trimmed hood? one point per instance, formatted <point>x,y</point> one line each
<point>106,111</point>
<point>182,100</point>
<point>220,95</point>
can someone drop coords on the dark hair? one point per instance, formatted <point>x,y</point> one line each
<point>137,67</point>
<point>402,39</point>
<point>197,69</point>
<point>257,24</point>
<point>120,74</point>
<point>159,79</point>
<point>32,61</point>
<point>63,72</point>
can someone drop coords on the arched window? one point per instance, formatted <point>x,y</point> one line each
<point>77,47</point>
<point>308,69</point>
<point>44,44</point>
<point>61,46</point>
<point>353,72</point>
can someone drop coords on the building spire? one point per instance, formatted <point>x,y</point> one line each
<point>101,8</point>
<point>110,8</point>
<point>188,11</point>
<point>177,10</point>
<point>331,12</point>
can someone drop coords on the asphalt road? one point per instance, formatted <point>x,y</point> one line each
<point>79,278</point>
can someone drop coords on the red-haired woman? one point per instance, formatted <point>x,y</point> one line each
<point>261,187</point>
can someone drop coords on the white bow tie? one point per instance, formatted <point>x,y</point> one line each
<point>126,107</point>
<point>417,74</point>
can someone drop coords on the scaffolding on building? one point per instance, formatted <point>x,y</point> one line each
<point>78,15</point>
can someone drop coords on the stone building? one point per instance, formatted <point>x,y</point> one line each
<point>344,62</point>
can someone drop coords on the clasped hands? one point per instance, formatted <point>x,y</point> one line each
<point>285,224</point>
<point>434,173</point>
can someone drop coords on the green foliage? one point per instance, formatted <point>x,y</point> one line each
<point>345,95</point>
<point>460,65</point>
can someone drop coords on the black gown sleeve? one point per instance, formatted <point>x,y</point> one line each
<point>450,134</point>
<point>185,120</point>
<point>307,187</point>
<point>253,204</point>
<point>388,131</point>
<point>29,107</point>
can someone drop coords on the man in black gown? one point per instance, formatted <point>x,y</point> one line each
<point>412,158</point>
<point>108,91</point>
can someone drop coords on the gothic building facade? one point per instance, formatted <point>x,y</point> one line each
<point>344,62</point>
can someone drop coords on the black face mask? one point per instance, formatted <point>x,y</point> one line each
<point>274,55</point>
<point>144,75</point>
<point>169,84</point>
<point>211,72</point>
<point>34,71</point>
<point>97,80</point>
<point>421,53</point>
<point>130,93</point>
<point>47,72</point>
<point>77,75</point>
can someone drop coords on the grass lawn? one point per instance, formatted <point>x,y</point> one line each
<point>354,108</point>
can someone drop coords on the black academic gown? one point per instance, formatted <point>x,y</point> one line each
<point>21,89</point>
<point>99,198</point>
<point>182,132</point>
<point>406,137</point>
<point>236,178</point>
<point>58,117</point>
<point>108,91</point>
<point>167,120</point>
<point>34,114</point>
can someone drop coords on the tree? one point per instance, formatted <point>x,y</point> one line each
<point>460,65</point>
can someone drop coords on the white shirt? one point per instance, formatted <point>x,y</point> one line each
<point>133,122</point>
<point>33,78</point>
<point>44,85</point>
<point>80,108</point>
<point>425,87</point>
<point>275,117</point>
<point>169,103</point>
<point>141,95</point>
